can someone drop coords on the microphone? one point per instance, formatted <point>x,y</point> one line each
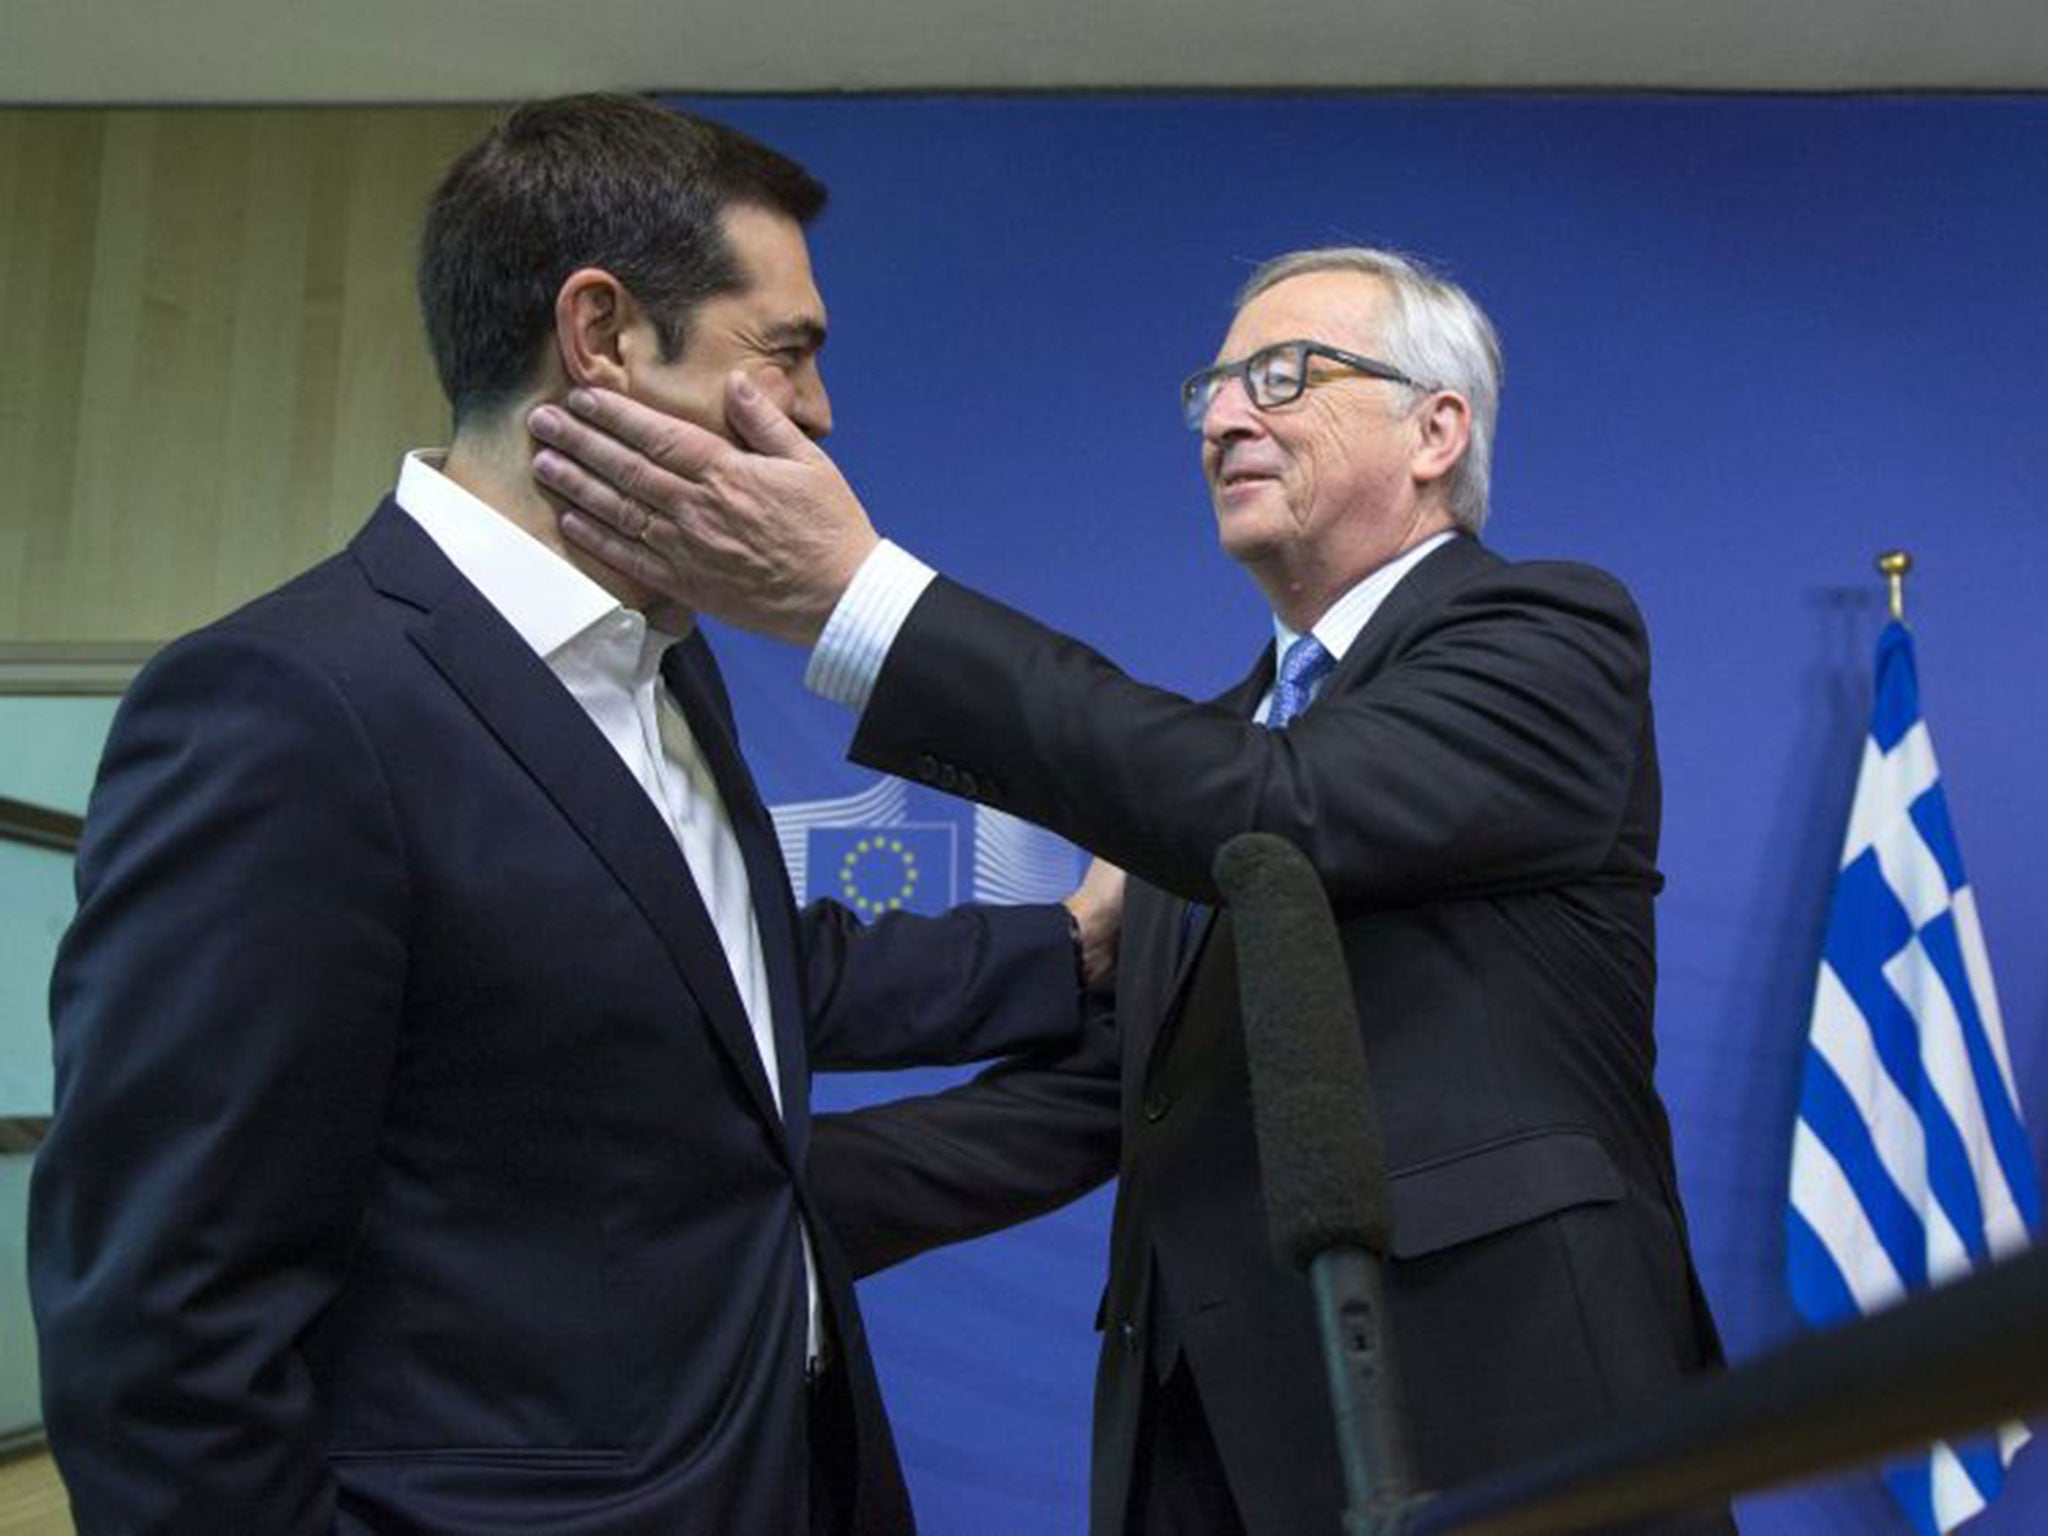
<point>1319,1143</point>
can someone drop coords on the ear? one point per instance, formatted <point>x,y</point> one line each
<point>1443,431</point>
<point>592,313</point>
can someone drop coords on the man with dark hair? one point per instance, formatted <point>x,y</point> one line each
<point>435,1034</point>
<point>1463,749</point>
<point>607,181</point>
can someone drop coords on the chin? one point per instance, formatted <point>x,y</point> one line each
<point>1244,534</point>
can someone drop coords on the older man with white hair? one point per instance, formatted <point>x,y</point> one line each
<point>1462,747</point>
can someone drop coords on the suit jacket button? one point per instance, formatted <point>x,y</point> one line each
<point>1157,1103</point>
<point>927,767</point>
<point>948,776</point>
<point>1127,1333</point>
<point>969,784</point>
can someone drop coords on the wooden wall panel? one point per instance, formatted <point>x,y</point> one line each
<point>215,356</point>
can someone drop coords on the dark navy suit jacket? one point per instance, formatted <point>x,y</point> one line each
<point>1477,787</point>
<point>413,1166</point>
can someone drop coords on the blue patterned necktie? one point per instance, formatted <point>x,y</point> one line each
<point>1305,665</point>
<point>1294,689</point>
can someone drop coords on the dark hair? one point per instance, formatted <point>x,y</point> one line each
<point>616,182</point>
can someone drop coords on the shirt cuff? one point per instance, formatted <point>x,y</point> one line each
<point>849,654</point>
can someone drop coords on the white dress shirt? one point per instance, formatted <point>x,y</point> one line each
<point>609,658</point>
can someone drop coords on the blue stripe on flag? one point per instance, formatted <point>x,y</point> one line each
<point>1930,820</point>
<point>1979,1456</point>
<point>1950,1177</point>
<point>1831,1114</point>
<point>1897,708</point>
<point>2001,1115</point>
<point>1818,1289</point>
<point>1867,929</point>
<point>1912,1484</point>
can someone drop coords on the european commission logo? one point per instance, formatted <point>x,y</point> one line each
<point>879,870</point>
<point>865,852</point>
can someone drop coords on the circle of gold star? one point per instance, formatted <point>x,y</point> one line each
<point>850,868</point>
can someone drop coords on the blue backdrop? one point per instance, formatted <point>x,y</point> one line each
<point>1750,342</point>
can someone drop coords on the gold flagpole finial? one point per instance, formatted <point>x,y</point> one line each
<point>1895,563</point>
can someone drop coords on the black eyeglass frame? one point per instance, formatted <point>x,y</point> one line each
<point>1199,389</point>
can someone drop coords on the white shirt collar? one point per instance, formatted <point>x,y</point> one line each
<point>1341,624</point>
<point>540,594</point>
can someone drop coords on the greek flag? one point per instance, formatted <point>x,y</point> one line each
<point>1910,1164</point>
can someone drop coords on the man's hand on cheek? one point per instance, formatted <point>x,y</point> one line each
<point>763,532</point>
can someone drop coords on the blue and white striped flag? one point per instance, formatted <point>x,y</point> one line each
<point>1910,1164</point>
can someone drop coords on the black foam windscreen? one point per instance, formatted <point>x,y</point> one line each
<point>1318,1128</point>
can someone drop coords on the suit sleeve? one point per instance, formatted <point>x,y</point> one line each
<point>1025,1137</point>
<point>975,982</point>
<point>225,1009</point>
<point>1492,750</point>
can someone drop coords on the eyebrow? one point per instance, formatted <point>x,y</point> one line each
<point>807,333</point>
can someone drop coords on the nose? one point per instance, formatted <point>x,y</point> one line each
<point>1230,413</point>
<point>811,409</point>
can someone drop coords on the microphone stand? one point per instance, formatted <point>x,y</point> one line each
<point>1319,1148</point>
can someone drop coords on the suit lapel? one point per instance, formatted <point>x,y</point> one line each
<point>1168,963</point>
<point>525,706</point>
<point>1415,593</point>
<point>693,680</point>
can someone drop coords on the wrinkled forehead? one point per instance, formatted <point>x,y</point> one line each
<point>1343,308</point>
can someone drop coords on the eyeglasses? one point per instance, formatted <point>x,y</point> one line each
<point>1275,376</point>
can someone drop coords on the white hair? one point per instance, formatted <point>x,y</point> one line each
<point>1436,335</point>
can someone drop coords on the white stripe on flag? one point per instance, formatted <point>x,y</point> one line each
<point>1829,1205</point>
<point>1945,1058</point>
<point>1886,784</point>
<point>1977,966</point>
<point>1911,869</point>
<point>1842,1039</point>
<point>1956,1496</point>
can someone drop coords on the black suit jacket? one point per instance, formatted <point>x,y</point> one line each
<point>1477,787</point>
<point>413,1165</point>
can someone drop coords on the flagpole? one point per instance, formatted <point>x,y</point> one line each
<point>1895,563</point>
